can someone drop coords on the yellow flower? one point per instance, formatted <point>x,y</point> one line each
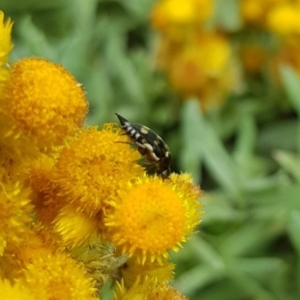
<point>57,276</point>
<point>162,272</point>
<point>14,292</point>
<point>169,13</point>
<point>256,11</point>
<point>5,45</point>
<point>149,289</point>
<point>285,19</point>
<point>203,67</point>
<point>15,208</point>
<point>95,165</point>
<point>153,216</point>
<point>40,242</point>
<point>42,104</point>
<point>74,227</point>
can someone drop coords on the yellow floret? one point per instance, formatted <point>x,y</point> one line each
<point>5,46</point>
<point>93,168</point>
<point>14,292</point>
<point>148,289</point>
<point>153,216</point>
<point>57,276</point>
<point>163,271</point>
<point>42,105</point>
<point>15,207</point>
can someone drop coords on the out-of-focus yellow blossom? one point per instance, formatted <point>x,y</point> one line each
<point>93,167</point>
<point>74,227</point>
<point>154,216</point>
<point>5,46</point>
<point>256,11</point>
<point>148,289</point>
<point>57,276</point>
<point>285,19</point>
<point>15,207</point>
<point>162,272</point>
<point>203,68</point>
<point>14,292</point>
<point>169,13</point>
<point>42,104</point>
<point>199,63</point>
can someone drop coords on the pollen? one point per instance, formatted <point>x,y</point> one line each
<point>153,217</point>
<point>42,104</point>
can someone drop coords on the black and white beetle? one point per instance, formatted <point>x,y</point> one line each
<point>150,145</point>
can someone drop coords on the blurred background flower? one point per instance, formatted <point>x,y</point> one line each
<point>218,80</point>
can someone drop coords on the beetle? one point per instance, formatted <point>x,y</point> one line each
<point>150,145</point>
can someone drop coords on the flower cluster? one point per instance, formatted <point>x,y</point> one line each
<point>207,60</point>
<point>277,17</point>
<point>199,62</point>
<point>75,206</point>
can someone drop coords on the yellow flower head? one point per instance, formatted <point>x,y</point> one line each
<point>15,292</point>
<point>5,46</point>
<point>256,11</point>
<point>39,242</point>
<point>162,272</point>
<point>203,67</point>
<point>285,19</point>
<point>148,289</point>
<point>15,208</point>
<point>94,166</point>
<point>5,38</point>
<point>57,276</point>
<point>153,216</point>
<point>42,104</point>
<point>170,13</point>
<point>74,227</point>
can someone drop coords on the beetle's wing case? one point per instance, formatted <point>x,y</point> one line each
<point>151,140</point>
<point>149,144</point>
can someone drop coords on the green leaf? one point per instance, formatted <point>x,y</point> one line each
<point>196,278</point>
<point>200,141</point>
<point>291,84</point>
<point>289,162</point>
<point>294,229</point>
<point>228,14</point>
